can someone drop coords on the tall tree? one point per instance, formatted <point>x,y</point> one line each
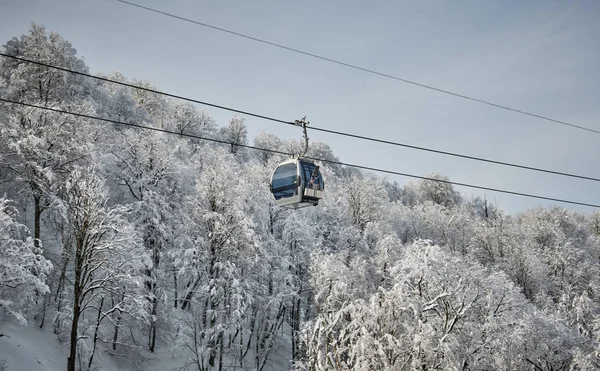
<point>43,145</point>
<point>103,249</point>
<point>439,191</point>
<point>23,269</point>
<point>235,133</point>
<point>267,141</point>
<point>219,263</point>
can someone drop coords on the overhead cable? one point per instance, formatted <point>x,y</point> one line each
<point>264,117</point>
<point>353,66</point>
<point>291,154</point>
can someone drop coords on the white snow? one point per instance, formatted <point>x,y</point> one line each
<point>33,349</point>
<point>30,349</point>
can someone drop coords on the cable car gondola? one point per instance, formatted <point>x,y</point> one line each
<point>297,182</point>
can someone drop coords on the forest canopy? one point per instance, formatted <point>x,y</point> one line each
<point>124,240</point>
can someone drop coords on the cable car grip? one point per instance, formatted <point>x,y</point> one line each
<point>302,123</point>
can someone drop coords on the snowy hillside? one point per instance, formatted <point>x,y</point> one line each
<point>135,249</point>
<point>29,349</point>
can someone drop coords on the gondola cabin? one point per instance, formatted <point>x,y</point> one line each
<point>297,183</point>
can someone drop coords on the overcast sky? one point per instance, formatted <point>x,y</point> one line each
<point>539,56</point>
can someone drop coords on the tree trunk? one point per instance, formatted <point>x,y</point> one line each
<point>63,274</point>
<point>36,220</point>
<point>251,334</point>
<point>212,344</point>
<point>175,288</point>
<point>307,312</point>
<point>152,335</point>
<point>154,293</point>
<point>44,308</point>
<point>74,325</point>
<point>98,320</point>
<point>77,292</point>
<point>266,335</point>
<point>214,304</point>
<point>119,318</point>
<point>186,301</point>
<point>295,316</point>
<point>221,351</point>
<point>59,307</point>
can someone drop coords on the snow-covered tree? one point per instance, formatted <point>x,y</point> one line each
<point>186,119</point>
<point>441,312</point>
<point>23,269</point>
<point>438,190</point>
<point>38,84</point>
<point>235,133</point>
<point>42,146</point>
<point>105,251</point>
<point>267,141</point>
<point>145,168</point>
<point>218,262</point>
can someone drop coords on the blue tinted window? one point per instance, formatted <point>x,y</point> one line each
<point>285,181</point>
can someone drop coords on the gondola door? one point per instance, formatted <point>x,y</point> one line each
<point>286,184</point>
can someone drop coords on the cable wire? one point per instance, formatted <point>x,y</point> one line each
<point>377,140</point>
<point>353,66</point>
<point>291,154</point>
<point>143,88</point>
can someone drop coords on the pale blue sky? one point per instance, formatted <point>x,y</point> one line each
<point>540,56</point>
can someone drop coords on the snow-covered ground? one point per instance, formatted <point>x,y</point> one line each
<point>33,349</point>
<point>30,349</point>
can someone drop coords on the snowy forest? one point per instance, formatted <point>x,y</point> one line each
<point>124,242</point>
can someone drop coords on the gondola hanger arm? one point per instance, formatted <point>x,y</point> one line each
<point>302,123</point>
